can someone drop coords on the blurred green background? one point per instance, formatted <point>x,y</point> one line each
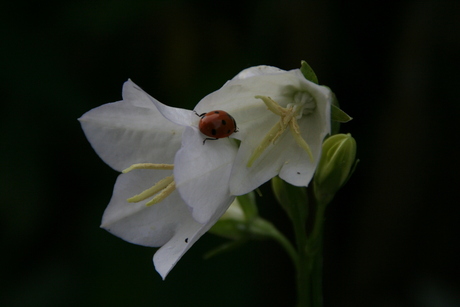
<point>390,234</point>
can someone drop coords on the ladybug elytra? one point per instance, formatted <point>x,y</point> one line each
<point>216,125</point>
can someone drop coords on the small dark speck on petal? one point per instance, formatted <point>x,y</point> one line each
<point>298,173</point>
<point>186,240</point>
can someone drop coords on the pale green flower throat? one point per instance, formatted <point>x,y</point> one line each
<point>303,104</point>
<point>162,188</point>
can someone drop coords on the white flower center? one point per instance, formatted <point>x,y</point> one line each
<point>162,188</point>
<point>303,104</point>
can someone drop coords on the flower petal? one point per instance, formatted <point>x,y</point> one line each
<point>298,170</point>
<point>257,71</point>
<point>131,131</point>
<point>237,97</point>
<point>202,172</point>
<point>178,116</point>
<point>171,252</point>
<point>286,158</point>
<point>168,224</point>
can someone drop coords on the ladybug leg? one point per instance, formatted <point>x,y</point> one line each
<point>210,139</point>
<point>199,115</point>
<point>236,127</point>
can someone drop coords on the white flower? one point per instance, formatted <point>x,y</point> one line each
<point>284,139</point>
<point>145,208</point>
<point>201,170</point>
<point>185,184</point>
<point>207,176</point>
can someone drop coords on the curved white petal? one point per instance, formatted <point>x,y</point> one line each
<point>168,224</point>
<point>257,71</point>
<point>314,128</point>
<point>178,116</point>
<point>170,253</point>
<point>131,131</point>
<point>237,97</point>
<point>254,121</point>
<point>298,169</point>
<point>202,172</point>
<point>285,158</point>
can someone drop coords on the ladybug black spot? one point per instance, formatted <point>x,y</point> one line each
<point>213,131</point>
<point>224,122</point>
<point>217,112</point>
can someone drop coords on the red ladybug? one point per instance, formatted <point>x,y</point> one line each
<point>216,124</point>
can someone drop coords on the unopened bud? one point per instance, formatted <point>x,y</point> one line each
<point>338,158</point>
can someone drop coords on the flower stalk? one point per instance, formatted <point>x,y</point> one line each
<point>336,166</point>
<point>309,256</point>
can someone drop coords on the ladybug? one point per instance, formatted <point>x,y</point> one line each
<point>216,125</point>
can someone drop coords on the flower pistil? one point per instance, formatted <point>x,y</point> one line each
<point>303,104</point>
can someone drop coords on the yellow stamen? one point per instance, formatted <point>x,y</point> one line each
<point>160,185</point>
<point>270,138</point>
<point>288,118</point>
<point>162,188</point>
<point>148,166</point>
<point>163,194</point>
<point>271,105</point>
<point>294,128</point>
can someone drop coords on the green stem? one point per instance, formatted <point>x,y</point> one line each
<point>317,276</point>
<point>264,227</point>
<point>319,221</point>
<point>302,264</point>
<point>309,268</point>
<point>316,246</point>
<point>286,244</point>
<point>298,202</point>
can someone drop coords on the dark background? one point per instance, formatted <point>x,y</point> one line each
<point>390,234</point>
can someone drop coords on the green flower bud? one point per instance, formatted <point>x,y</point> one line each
<point>335,167</point>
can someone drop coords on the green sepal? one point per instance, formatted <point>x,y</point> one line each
<point>236,223</point>
<point>261,229</point>
<point>257,229</point>
<point>335,125</point>
<point>308,72</point>
<point>249,205</point>
<point>224,248</point>
<point>230,229</point>
<point>293,200</point>
<point>241,223</point>
<point>337,115</point>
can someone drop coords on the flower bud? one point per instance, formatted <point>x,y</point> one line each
<point>337,161</point>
